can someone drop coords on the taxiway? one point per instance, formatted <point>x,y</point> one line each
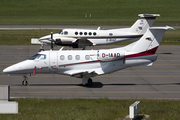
<point>160,81</point>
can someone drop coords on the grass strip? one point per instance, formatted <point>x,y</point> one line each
<point>91,109</point>
<point>89,12</point>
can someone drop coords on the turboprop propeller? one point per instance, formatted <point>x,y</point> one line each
<point>52,40</point>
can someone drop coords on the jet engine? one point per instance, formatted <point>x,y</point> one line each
<point>109,55</point>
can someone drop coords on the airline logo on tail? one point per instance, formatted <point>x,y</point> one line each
<point>147,38</point>
<point>141,23</point>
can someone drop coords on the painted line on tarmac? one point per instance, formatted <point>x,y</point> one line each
<point>62,86</point>
<point>96,92</point>
<point>44,87</point>
<point>16,97</point>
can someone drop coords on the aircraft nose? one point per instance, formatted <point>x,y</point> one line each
<point>10,69</point>
<point>7,70</point>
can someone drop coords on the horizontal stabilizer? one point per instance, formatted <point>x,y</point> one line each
<point>149,15</point>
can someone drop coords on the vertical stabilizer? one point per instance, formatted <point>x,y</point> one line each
<point>143,23</point>
<point>150,41</point>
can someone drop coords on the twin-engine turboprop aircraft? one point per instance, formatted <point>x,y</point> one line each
<point>80,38</point>
<point>90,63</point>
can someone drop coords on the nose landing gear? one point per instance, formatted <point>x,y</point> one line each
<point>25,82</point>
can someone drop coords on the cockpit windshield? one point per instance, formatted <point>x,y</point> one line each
<point>61,32</point>
<point>38,57</point>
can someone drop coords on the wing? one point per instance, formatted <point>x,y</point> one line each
<point>82,42</point>
<point>81,73</point>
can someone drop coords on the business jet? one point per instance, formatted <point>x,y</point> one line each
<point>80,38</point>
<point>85,64</point>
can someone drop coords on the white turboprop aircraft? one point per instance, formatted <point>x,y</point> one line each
<point>90,63</point>
<point>80,38</point>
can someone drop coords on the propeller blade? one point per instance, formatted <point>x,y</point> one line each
<point>52,40</point>
<point>52,35</point>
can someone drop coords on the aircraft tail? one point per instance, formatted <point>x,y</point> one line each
<point>150,41</point>
<point>143,23</point>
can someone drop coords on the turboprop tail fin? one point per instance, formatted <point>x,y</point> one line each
<point>150,41</point>
<point>143,23</point>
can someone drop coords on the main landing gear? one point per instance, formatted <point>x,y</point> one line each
<point>25,82</point>
<point>86,81</point>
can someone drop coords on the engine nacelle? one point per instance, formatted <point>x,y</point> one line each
<point>109,55</point>
<point>62,40</point>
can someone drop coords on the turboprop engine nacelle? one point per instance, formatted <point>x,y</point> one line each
<point>109,55</point>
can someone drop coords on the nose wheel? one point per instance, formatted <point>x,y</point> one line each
<point>25,82</point>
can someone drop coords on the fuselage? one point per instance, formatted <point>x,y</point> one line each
<point>85,37</point>
<point>70,63</point>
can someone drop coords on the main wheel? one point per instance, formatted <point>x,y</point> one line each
<point>89,82</point>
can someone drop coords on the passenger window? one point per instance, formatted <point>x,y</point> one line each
<point>62,57</point>
<point>77,57</point>
<point>69,57</point>
<point>65,32</point>
<point>76,33</point>
<point>90,33</point>
<point>80,33</point>
<point>85,33</point>
<point>110,34</point>
<point>94,33</point>
<point>87,57</point>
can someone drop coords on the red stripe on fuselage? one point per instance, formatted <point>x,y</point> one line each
<point>148,52</point>
<point>145,53</point>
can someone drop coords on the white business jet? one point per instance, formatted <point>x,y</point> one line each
<point>80,38</point>
<point>90,63</point>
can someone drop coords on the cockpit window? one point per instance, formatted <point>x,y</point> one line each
<point>60,32</point>
<point>38,56</point>
<point>42,57</point>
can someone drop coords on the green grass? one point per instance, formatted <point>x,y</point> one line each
<point>116,12</point>
<point>23,37</point>
<point>91,109</point>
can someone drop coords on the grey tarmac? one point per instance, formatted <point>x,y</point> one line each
<point>160,81</point>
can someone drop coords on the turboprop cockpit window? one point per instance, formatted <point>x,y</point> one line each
<point>60,32</point>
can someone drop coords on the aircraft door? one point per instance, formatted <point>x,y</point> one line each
<point>53,61</point>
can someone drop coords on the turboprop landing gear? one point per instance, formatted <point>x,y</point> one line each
<point>25,82</point>
<point>42,47</point>
<point>87,81</point>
